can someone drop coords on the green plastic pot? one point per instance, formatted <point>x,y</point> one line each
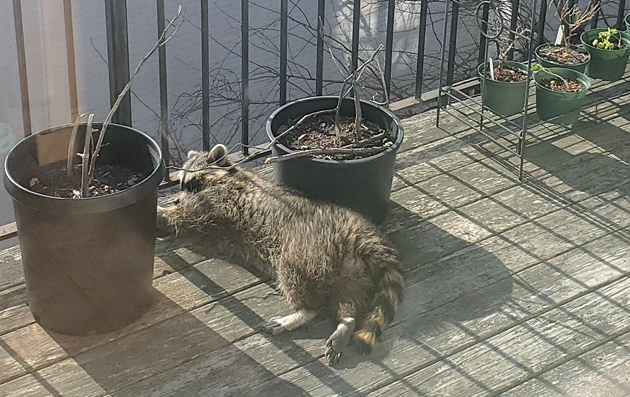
<point>560,107</point>
<point>503,98</point>
<point>609,65</point>
<point>580,67</point>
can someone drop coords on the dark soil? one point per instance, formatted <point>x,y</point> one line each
<point>318,132</point>
<point>107,179</point>
<point>507,74</point>
<point>558,85</point>
<point>558,54</point>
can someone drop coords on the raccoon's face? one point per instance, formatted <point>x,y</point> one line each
<point>200,166</point>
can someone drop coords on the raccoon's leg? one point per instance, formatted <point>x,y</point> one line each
<point>163,225</point>
<point>338,341</point>
<point>288,323</point>
<point>352,290</point>
<point>294,287</point>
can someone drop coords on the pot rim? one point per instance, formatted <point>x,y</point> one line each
<point>513,63</point>
<point>572,46</point>
<point>396,144</point>
<point>624,35</point>
<point>582,78</point>
<point>83,205</point>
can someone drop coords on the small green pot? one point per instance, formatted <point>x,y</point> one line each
<point>567,105</point>
<point>580,67</point>
<point>503,98</point>
<point>609,65</point>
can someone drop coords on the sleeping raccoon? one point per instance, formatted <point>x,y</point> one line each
<point>322,255</point>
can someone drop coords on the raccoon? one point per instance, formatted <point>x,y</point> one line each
<point>322,256</point>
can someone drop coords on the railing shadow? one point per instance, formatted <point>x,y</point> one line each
<point>181,355</point>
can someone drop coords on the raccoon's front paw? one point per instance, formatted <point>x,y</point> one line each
<point>272,327</point>
<point>163,226</point>
<point>337,344</point>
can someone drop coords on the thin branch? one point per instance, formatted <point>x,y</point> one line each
<point>87,145</point>
<point>304,118</point>
<point>312,152</point>
<point>73,143</point>
<point>355,75</point>
<point>161,41</point>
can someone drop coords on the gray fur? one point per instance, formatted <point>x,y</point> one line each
<point>322,255</point>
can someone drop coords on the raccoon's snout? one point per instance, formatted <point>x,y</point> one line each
<point>190,183</point>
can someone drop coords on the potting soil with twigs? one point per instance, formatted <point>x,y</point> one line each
<point>507,74</point>
<point>572,85</point>
<point>107,179</point>
<point>559,54</point>
<point>318,132</point>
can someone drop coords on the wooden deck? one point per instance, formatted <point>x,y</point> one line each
<point>518,289</point>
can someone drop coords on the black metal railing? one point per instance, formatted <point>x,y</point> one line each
<point>118,54</point>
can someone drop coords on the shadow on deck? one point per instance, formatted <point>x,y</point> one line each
<point>513,288</point>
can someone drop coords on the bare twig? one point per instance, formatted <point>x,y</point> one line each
<point>163,39</point>
<point>312,152</point>
<point>87,146</point>
<point>358,114</point>
<point>73,143</point>
<point>354,76</point>
<point>574,18</point>
<point>303,119</point>
<point>383,85</point>
<point>366,141</point>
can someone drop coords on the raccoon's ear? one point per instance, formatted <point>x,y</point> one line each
<point>218,155</point>
<point>192,153</point>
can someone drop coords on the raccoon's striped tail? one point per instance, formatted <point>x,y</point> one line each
<point>384,308</point>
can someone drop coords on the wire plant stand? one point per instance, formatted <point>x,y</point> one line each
<point>507,132</point>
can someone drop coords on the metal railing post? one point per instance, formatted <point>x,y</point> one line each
<point>389,44</point>
<point>245,75</point>
<point>118,57</point>
<point>205,77</point>
<point>164,136</point>
<point>284,17</point>
<point>319,67</point>
<point>422,34</point>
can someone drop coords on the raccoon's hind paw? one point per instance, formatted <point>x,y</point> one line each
<point>287,323</point>
<point>338,342</point>
<point>271,327</point>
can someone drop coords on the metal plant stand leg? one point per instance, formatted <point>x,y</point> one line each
<point>452,97</point>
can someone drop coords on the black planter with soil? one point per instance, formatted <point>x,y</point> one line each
<point>363,185</point>
<point>561,60</point>
<point>88,262</point>
<point>505,98</point>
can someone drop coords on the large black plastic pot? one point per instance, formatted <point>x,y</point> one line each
<point>88,263</point>
<point>363,185</point>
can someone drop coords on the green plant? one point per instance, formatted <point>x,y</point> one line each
<point>537,68</point>
<point>609,40</point>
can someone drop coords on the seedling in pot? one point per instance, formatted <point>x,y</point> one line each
<point>609,40</point>
<point>558,83</point>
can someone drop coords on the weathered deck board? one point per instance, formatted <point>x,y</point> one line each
<point>492,265</point>
<point>422,337</point>
<point>602,371</point>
